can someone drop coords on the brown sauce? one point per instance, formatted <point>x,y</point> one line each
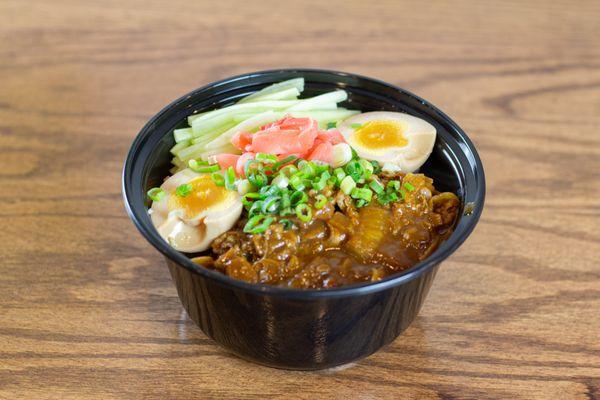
<point>342,244</point>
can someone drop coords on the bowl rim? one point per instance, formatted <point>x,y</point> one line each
<point>440,254</point>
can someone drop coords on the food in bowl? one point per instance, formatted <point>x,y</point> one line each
<point>301,192</point>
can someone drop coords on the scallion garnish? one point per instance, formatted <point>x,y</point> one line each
<point>376,186</point>
<point>280,181</point>
<point>303,212</point>
<point>258,178</point>
<point>365,194</point>
<point>156,194</point>
<point>367,168</point>
<point>355,170</point>
<point>286,160</point>
<point>255,208</point>
<point>339,174</point>
<point>288,170</point>
<point>320,201</point>
<point>267,158</point>
<point>184,190</point>
<point>331,125</point>
<point>298,197</point>
<point>409,186</point>
<point>322,181</point>
<point>218,179</point>
<point>230,178</point>
<point>202,166</point>
<point>271,204</point>
<point>347,185</point>
<point>258,224</point>
<point>298,182</point>
<point>393,185</point>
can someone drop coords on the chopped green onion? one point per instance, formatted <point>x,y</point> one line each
<point>386,198</point>
<point>288,170</point>
<point>230,178</point>
<point>394,185</point>
<point>409,186</point>
<point>280,181</point>
<point>376,186</point>
<point>403,194</point>
<point>298,182</point>
<point>249,163</point>
<point>303,212</point>
<point>286,160</point>
<point>271,204</point>
<point>331,125</point>
<point>246,200</point>
<point>253,196</point>
<point>322,182</point>
<point>393,197</point>
<point>268,158</point>
<point>218,179</point>
<point>156,194</point>
<point>258,178</point>
<point>308,168</point>
<point>285,200</point>
<point>202,166</point>
<point>354,169</point>
<point>361,203</point>
<point>269,190</point>
<point>367,168</point>
<point>244,186</point>
<point>376,167</point>
<point>355,126</point>
<point>256,208</point>
<point>339,174</point>
<point>362,193</point>
<point>320,201</point>
<point>287,224</point>
<point>347,185</point>
<point>199,163</point>
<point>298,197</point>
<point>321,167</point>
<point>253,226</point>
<point>184,190</point>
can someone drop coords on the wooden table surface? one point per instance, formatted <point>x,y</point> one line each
<point>87,307</point>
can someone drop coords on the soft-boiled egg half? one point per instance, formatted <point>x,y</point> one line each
<point>190,223</point>
<point>398,141</point>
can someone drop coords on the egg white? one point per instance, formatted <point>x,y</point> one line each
<point>195,233</point>
<point>419,133</point>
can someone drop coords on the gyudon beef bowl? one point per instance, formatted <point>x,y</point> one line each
<point>303,214</point>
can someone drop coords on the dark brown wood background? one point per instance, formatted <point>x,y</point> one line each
<point>87,307</point>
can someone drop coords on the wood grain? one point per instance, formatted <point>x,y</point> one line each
<point>87,308</point>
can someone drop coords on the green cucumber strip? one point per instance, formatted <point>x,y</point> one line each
<point>288,94</point>
<point>179,146</point>
<point>318,102</point>
<point>182,134</point>
<point>297,83</point>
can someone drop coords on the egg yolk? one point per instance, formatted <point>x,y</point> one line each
<point>380,135</point>
<point>204,195</point>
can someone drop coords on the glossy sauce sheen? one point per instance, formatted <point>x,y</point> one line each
<point>342,244</point>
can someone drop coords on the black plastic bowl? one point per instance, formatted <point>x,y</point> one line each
<point>304,329</point>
